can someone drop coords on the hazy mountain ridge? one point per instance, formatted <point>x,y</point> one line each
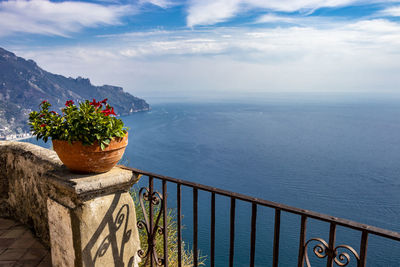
<point>23,85</point>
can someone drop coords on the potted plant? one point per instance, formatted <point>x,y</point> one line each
<point>88,138</point>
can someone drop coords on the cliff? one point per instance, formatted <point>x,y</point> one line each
<point>23,85</point>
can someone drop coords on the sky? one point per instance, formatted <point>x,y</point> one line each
<point>174,48</point>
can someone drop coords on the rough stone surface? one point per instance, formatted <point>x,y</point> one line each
<point>96,209</point>
<point>61,236</point>
<point>3,180</point>
<point>23,170</point>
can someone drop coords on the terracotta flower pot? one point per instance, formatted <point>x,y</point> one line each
<point>90,158</point>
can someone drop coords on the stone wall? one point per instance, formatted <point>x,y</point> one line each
<point>23,184</point>
<point>86,219</point>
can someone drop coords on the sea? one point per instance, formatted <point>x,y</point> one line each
<point>334,155</point>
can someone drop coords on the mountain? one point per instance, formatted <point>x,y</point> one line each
<point>24,85</point>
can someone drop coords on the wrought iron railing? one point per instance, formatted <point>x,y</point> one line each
<point>335,254</point>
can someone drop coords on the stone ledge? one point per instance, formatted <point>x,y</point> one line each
<point>86,186</point>
<point>46,155</point>
<point>81,186</point>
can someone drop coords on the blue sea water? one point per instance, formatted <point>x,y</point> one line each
<point>338,157</point>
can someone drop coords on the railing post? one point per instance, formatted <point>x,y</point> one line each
<point>212,246</point>
<point>150,241</point>
<point>253,233</point>
<point>179,226</point>
<point>232,233</point>
<point>331,249</point>
<point>303,232</point>
<point>165,226</point>
<point>195,222</point>
<point>277,228</point>
<point>363,249</point>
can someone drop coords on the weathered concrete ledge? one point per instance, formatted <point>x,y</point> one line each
<point>86,219</point>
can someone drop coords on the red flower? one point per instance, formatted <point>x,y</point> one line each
<point>55,113</point>
<point>95,104</point>
<point>44,101</point>
<point>106,112</point>
<point>41,116</point>
<point>109,112</point>
<point>104,101</point>
<point>69,103</point>
<point>43,125</point>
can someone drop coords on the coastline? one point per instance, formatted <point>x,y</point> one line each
<point>14,137</point>
<point>17,138</point>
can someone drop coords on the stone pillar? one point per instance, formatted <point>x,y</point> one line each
<point>92,219</point>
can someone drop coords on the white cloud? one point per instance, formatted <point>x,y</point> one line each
<point>379,26</point>
<point>391,11</point>
<point>137,34</point>
<point>209,12</point>
<point>290,6</point>
<point>363,56</point>
<point>274,18</point>
<point>177,47</point>
<point>160,3</point>
<point>300,20</point>
<point>56,18</point>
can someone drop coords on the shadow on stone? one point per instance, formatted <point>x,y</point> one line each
<point>110,242</point>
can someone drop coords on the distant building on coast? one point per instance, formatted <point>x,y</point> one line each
<point>10,137</point>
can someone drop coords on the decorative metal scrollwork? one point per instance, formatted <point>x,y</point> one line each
<point>151,229</point>
<point>322,250</point>
<point>343,258</point>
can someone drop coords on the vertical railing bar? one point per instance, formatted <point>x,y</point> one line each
<point>302,242</point>
<point>253,233</point>
<point>363,249</point>
<point>151,241</point>
<point>212,248</point>
<point>165,229</point>
<point>179,226</point>
<point>195,222</point>
<point>232,232</point>
<point>277,228</point>
<point>332,239</point>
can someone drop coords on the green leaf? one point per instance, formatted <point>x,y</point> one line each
<point>107,141</point>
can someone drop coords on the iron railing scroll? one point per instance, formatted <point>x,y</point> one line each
<point>149,225</point>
